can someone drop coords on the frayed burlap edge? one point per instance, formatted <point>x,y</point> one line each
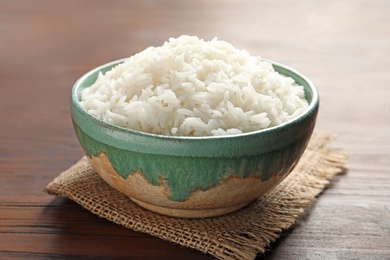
<point>239,235</point>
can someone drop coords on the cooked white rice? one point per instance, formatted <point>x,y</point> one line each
<point>193,87</point>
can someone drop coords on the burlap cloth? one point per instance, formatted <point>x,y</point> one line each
<point>239,235</point>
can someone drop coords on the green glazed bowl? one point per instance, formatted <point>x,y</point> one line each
<point>193,177</point>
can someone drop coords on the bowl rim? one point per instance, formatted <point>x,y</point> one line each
<point>313,105</point>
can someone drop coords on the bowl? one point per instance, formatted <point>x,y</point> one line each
<point>193,177</point>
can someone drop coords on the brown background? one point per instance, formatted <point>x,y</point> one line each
<point>342,46</point>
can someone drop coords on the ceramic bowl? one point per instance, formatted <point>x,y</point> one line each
<point>193,177</point>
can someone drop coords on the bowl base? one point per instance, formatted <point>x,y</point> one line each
<point>190,213</point>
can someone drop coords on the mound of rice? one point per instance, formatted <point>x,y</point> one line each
<point>193,87</point>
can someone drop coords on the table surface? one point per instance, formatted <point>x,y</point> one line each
<point>342,46</point>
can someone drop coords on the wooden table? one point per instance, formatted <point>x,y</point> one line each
<point>343,46</point>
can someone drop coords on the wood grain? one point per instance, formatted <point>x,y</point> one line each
<point>342,46</point>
